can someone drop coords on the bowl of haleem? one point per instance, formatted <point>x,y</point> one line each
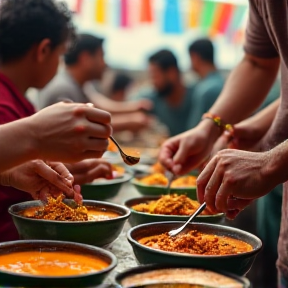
<point>35,263</point>
<point>172,207</point>
<point>94,223</point>
<point>155,184</point>
<point>200,244</point>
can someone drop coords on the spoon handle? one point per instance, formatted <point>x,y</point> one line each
<point>115,142</point>
<point>197,212</point>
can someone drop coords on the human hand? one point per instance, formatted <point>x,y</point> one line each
<point>234,178</point>
<point>186,151</point>
<point>41,179</point>
<point>88,170</point>
<point>70,132</point>
<point>143,105</point>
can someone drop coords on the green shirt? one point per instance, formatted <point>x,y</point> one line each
<point>205,93</point>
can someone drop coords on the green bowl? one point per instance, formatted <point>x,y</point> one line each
<point>98,233</point>
<point>154,276</point>
<point>25,280</point>
<point>137,218</point>
<point>104,189</point>
<point>157,190</point>
<point>238,264</point>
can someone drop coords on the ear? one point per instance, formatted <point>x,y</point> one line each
<point>43,50</point>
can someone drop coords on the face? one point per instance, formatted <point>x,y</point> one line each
<point>161,80</point>
<point>93,64</point>
<point>47,62</point>
<point>195,62</point>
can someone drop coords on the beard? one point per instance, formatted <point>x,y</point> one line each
<point>165,91</point>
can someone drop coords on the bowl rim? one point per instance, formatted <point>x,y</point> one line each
<point>121,217</point>
<point>186,255</point>
<point>125,178</point>
<point>164,215</point>
<point>151,267</point>
<point>136,183</point>
<point>99,250</point>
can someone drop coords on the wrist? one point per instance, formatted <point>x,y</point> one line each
<point>31,139</point>
<point>210,128</point>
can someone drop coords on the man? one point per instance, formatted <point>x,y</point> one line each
<point>171,99</point>
<point>84,62</point>
<point>233,178</point>
<point>41,30</point>
<point>210,83</point>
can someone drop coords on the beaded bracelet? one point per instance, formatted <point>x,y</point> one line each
<point>219,122</point>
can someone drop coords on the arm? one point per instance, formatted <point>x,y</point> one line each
<point>61,132</point>
<point>102,102</point>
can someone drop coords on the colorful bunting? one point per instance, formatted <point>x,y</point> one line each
<point>226,18</point>
<point>237,21</point>
<point>78,6</point>
<point>124,14</point>
<point>100,7</point>
<point>217,19</point>
<point>146,11</point>
<point>195,12</point>
<point>172,19</point>
<point>207,15</point>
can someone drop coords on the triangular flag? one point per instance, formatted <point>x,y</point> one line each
<point>226,18</point>
<point>195,12</point>
<point>124,16</point>
<point>172,19</point>
<point>146,11</point>
<point>208,15</point>
<point>217,19</point>
<point>237,20</point>
<point>100,7</point>
<point>78,6</point>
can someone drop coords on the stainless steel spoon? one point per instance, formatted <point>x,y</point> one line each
<point>129,160</point>
<point>174,232</point>
<point>170,176</point>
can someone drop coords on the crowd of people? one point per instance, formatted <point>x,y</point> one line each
<point>60,147</point>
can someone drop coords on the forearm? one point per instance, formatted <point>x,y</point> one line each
<point>17,144</point>
<point>246,88</point>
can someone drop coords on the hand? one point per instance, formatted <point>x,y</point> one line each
<point>88,170</point>
<point>70,132</point>
<point>144,105</point>
<point>234,178</point>
<point>189,150</point>
<point>41,179</point>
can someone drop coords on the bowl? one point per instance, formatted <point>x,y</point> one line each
<point>238,264</point>
<point>104,189</point>
<point>157,190</point>
<point>25,280</point>
<point>155,275</point>
<point>98,233</point>
<point>137,218</point>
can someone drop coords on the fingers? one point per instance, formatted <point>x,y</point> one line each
<point>77,195</point>
<point>97,115</point>
<point>238,204</point>
<point>62,170</point>
<point>203,180</point>
<point>53,178</point>
<point>167,152</point>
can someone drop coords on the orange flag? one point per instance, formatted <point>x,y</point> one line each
<point>195,12</point>
<point>146,11</point>
<point>217,19</point>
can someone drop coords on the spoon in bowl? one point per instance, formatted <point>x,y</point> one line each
<point>128,159</point>
<point>175,232</point>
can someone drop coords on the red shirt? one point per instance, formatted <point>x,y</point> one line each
<point>13,106</point>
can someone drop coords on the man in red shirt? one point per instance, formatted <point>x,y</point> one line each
<point>33,35</point>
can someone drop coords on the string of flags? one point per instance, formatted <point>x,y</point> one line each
<point>210,17</point>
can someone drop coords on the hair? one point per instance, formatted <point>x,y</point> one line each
<point>204,48</point>
<point>120,82</point>
<point>165,59</point>
<point>84,42</point>
<point>24,23</point>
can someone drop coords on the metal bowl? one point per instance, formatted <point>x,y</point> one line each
<point>239,264</point>
<point>98,233</point>
<point>26,280</point>
<point>157,275</point>
<point>138,218</point>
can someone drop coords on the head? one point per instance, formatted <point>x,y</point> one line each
<point>201,53</point>
<point>36,33</point>
<point>87,55</point>
<point>164,72</point>
<point>119,87</point>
